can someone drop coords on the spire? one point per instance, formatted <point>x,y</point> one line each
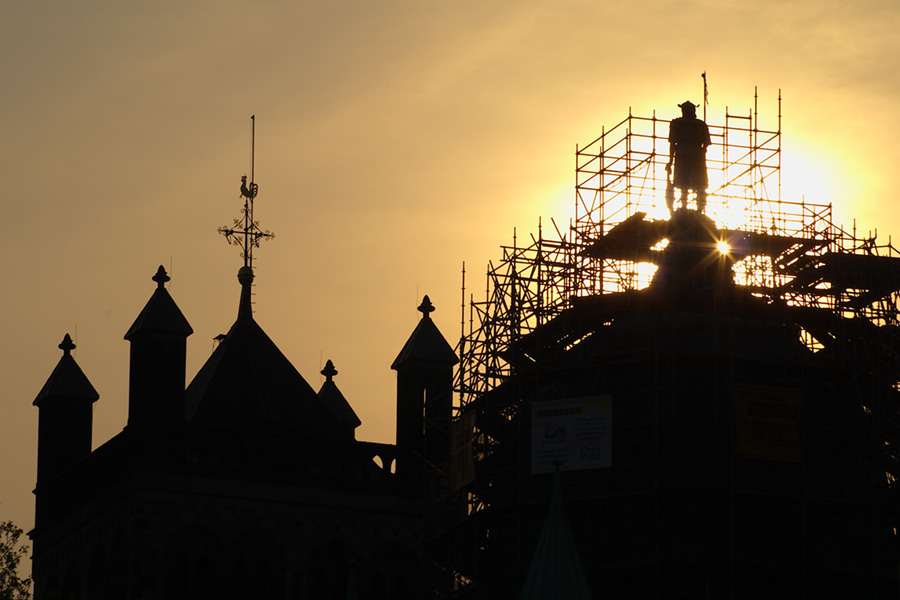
<point>246,232</point>
<point>247,383</point>
<point>332,397</point>
<point>424,396</point>
<point>351,579</point>
<point>67,380</point>
<point>64,418</point>
<point>160,314</point>
<point>556,570</point>
<point>426,345</point>
<point>158,356</point>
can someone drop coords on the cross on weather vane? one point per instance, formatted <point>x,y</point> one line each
<point>246,232</point>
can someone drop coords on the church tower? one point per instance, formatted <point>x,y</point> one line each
<point>424,393</point>
<point>65,407</point>
<point>158,352</point>
<point>244,484</point>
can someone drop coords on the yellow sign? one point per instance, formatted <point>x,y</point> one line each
<point>767,422</point>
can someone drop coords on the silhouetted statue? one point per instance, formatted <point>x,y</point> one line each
<point>688,141</point>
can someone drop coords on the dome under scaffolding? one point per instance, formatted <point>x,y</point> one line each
<point>735,368</point>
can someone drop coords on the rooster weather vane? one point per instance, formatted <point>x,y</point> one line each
<point>246,232</point>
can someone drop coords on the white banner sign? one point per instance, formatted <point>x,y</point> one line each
<point>575,432</point>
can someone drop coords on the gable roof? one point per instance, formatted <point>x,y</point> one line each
<point>248,383</point>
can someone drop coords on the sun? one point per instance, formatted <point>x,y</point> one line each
<point>807,175</point>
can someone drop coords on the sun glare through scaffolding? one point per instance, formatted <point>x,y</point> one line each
<point>621,174</point>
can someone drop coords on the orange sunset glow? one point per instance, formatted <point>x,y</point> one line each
<point>394,141</point>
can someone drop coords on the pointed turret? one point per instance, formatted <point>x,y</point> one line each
<point>424,388</point>
<point>64,421</point>
<point>158,351</point>
<point>332,397</point>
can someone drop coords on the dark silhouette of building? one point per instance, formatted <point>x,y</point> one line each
<point>649,404</point>
<point>245,484</point>
<point>729,383</point>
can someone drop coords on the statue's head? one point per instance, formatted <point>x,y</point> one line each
<point>688,108</point>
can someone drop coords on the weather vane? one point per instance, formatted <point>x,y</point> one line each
<point>246,232</point>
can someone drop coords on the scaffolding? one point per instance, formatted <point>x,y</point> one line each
<point>841,290</point>
<point>621,175</point>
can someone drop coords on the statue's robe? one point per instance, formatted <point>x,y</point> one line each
<point>688,139</point>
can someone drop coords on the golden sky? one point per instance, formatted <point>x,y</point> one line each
<point>394,140</point>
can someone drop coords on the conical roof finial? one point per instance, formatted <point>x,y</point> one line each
<point>426,308</point>
<point>426,344</point>
<point>67,380</point>
<point>160,314</point>
<point>329,371</point>
<point>67,345</point>
<point>161,277</point>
